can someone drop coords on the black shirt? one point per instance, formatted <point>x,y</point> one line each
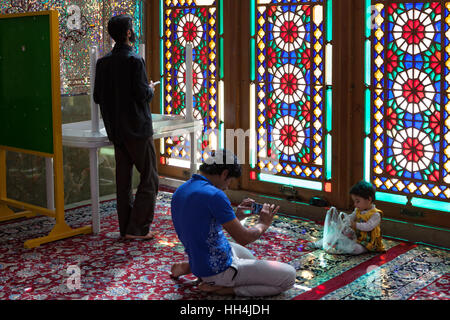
<point>122,91</point>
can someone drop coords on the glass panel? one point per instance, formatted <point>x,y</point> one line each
<point>409,103</point>
<point>293,91</point>
<point>196,22</point>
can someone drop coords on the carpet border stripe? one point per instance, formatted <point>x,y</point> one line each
<point>354,273</point>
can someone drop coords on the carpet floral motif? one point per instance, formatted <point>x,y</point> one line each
<point>114,269</point>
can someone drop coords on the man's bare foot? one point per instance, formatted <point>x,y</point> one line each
<point>150,235</point>
<point>219,290</point>
<point>179,269</point>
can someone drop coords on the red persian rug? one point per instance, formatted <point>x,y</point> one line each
<point>103,267</point>
<point>437,290</point>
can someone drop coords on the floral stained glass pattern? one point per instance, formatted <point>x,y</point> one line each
<point>82,24</point>
<point>195,22</point>
<point>290,90</point>
<point>409,102</point>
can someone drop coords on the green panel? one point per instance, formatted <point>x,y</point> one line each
<point>329,20</point>
<point>161,18</point>
<point>221,57</point>
<point>252,40</point>
<point>302,183</point>
<point>367,158</point>
<point>252,17</point>
<point>252,59</point>
<point>328,144</point>
<point>221,18</point>
<point>431,204</point>
<point>25,84</point>
<point>367,114</point>
<point>368,62</point>
<point>329,104</point>
<point>368,18</point>
<point>388,197</point>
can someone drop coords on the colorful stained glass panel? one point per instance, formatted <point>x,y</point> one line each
<point>290,107</point>
<point>195,22</point>
<point>409,101</point>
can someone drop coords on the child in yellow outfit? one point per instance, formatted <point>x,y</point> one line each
<point>365,223</point>
<point>366,218</point>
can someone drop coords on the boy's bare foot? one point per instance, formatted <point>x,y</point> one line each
<point>179,269</point>
<point>219,290</point>
<point>150,235</point>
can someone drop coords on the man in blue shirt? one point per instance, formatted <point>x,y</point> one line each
<point>200,211</point>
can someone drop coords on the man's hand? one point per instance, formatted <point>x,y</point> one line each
<point>245,235</point>
<point>244,210</point>
<point>267,213</point>
<point>152,85</point>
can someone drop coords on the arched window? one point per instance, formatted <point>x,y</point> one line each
<point>407,102</point>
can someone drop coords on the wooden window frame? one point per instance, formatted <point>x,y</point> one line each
<point>348,105</point>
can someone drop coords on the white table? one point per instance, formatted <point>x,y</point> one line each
<point>91,134</point>
<point>81,135</point>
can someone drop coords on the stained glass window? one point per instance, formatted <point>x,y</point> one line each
<point>82,24</point>
<point>290,93</point>
<point>196,22</point>
<point>407,101</point>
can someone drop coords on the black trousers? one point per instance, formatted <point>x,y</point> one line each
<point>135,217</point>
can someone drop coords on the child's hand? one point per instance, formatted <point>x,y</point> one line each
<point>349,233</point>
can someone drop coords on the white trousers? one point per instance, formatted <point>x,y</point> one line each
<point>251,277</point>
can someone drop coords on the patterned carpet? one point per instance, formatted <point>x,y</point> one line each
<point>137,270</point>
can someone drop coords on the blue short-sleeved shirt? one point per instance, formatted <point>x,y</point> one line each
<point>198,211</point>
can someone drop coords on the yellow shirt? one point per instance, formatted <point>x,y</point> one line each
<point>371,240</point>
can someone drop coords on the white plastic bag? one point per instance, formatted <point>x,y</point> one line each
<point>338,236</point>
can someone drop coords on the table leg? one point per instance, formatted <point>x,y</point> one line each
<point>193,168</point>
<point>50,183</point>
<point>93,163</point>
